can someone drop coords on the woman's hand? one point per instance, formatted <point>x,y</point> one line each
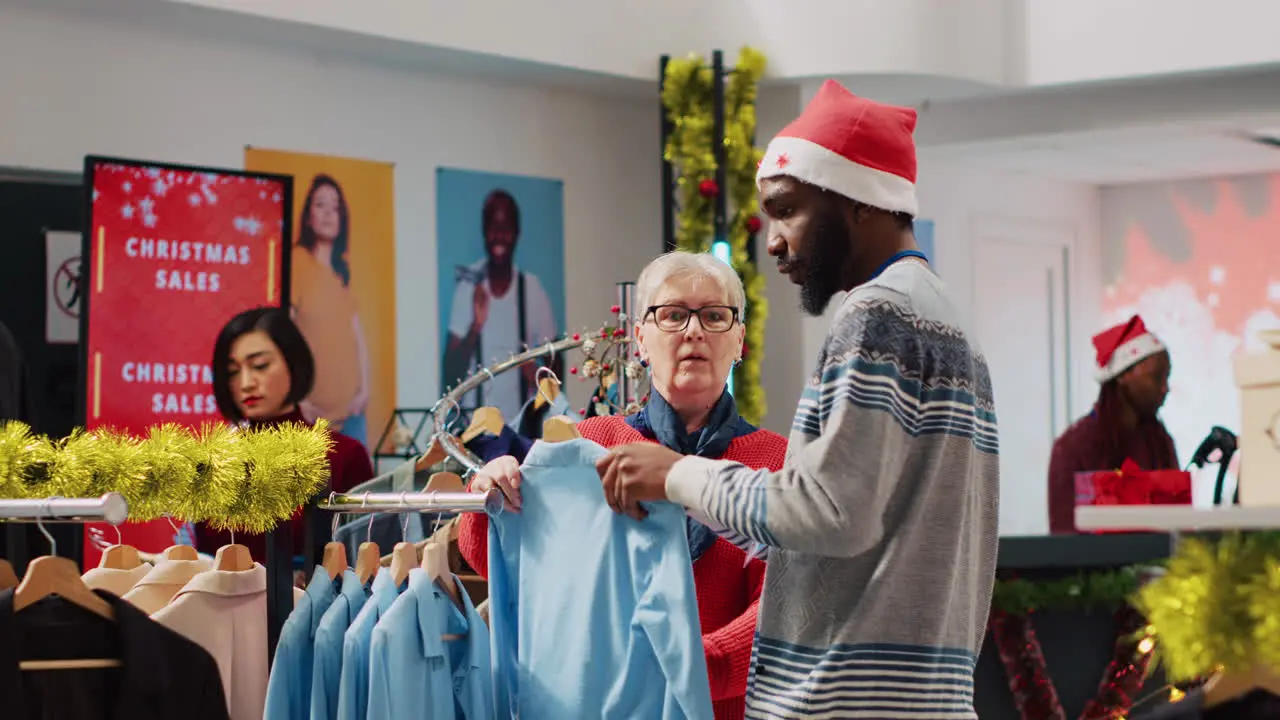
<point>503,474</point>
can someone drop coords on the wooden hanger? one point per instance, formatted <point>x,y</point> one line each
<point>484,420</point>
<point>334,560</point>
<point>434,455</point>
<point>233,558</point>
<point>404,557</point>
<point>53,575</point>
<point>1224,687</point>
<point>445,482</point>
<point>559,429</point>
<point>548,391</point>
<point>180,552</point>
<point>120,557</point>
<point>435,561</point>
<point>368,558</point>
<point>8,578</point>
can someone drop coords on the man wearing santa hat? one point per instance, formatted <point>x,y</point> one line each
<point>881,528</point>
<point>1133,367</point>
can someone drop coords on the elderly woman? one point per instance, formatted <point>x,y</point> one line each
<point>690,336</point>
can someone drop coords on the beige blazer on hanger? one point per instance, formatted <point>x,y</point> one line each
<point>163,582</point>
<point>116,582</point>
<point>226,613</point>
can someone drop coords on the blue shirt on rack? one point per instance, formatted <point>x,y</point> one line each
<point>604,623</point>
<point>326,671</point>
<point>353,688</point>
<point>415,671</point>
<point>289,686</point>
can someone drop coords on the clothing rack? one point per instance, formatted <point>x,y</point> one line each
<point>443,408</point>
<point>111,508</point>
<point>430,502</point>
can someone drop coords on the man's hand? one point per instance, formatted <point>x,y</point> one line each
<point>635,473</point>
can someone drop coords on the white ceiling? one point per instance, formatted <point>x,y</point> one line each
<point>1114,157</point>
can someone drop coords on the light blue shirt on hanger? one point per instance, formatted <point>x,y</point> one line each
<point>289,687</point>
<point>353,688</point>
<point>326,671</point>
<point>414,672</point>
<point>592,613</point>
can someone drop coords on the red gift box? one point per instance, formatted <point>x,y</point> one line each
<point>1131,485</point>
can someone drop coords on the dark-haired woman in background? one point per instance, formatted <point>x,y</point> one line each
<point>262,368</point>
<point>326,312</point>
<point>1133,367</point>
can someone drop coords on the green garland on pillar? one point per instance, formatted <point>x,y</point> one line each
<point>687,95</point>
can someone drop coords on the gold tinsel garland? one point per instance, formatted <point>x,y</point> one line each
<point>244,480</point>
<point>1217,607</point>
<point>687,95</point>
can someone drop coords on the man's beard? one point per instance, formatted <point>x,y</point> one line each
<point>828,246</point>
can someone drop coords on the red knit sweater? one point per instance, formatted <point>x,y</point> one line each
<point>728,593</point>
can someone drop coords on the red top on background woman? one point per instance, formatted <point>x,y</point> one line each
<point>1133,367</point>
<point>262,369</point>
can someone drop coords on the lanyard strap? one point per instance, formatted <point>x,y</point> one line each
<point>896,257</point>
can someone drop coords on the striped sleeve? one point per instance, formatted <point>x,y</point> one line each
<point>887,384</point>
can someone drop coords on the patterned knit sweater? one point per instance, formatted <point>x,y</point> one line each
<point>881,528</point>
<point>728,592</point>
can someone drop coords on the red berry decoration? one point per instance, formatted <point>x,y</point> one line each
<point>619,332</point>
<point>582,412</point>
<point>708,188</point>
<point>615,309</point>
<point>754,224</point>
<point>604,332</point>
<point>573,371</point>
<point>576,336</point>
<point>605,367</point>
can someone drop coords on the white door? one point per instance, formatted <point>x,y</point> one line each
<point>1021,317</point>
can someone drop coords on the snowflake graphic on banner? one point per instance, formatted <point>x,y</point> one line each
<point>1206,308</point>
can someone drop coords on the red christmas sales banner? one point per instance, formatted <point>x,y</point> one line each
<point>173,253</point>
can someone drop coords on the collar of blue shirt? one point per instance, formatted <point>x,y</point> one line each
<point>437,612</point>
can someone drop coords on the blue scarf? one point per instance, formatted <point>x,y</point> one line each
<point>658,421</point>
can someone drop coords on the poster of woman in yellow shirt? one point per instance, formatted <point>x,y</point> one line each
<point>325,310</point>
<point>342,284</point>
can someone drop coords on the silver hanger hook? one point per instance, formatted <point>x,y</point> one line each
<point>404,518</point>
<point>119,538</point>
<point>455,408</point>
<point>487,371</point>
<point>53,543</point>
<point>537,381</point>
<point>172,524</point>
<point>368,535</point>
<point>333,527</point>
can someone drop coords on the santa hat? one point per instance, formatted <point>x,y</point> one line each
<point>852,146</point>
<point>1123,346</point>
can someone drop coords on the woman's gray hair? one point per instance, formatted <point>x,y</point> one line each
<point>680,265</point>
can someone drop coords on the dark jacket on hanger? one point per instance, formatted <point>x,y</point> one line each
<point>162,675</point>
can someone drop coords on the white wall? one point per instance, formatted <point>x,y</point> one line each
<point>71,86</point>
<point>965,205</point>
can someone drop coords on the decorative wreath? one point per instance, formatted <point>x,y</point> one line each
<point>246,480</point>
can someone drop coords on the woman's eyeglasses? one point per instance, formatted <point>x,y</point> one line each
<point>675,318</point>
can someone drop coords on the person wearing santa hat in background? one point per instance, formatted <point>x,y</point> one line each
<point>881,528</point>
<point>1133,367</point>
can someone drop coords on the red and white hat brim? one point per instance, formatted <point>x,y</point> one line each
<point>816,165</point>
<point>1130,353</point>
